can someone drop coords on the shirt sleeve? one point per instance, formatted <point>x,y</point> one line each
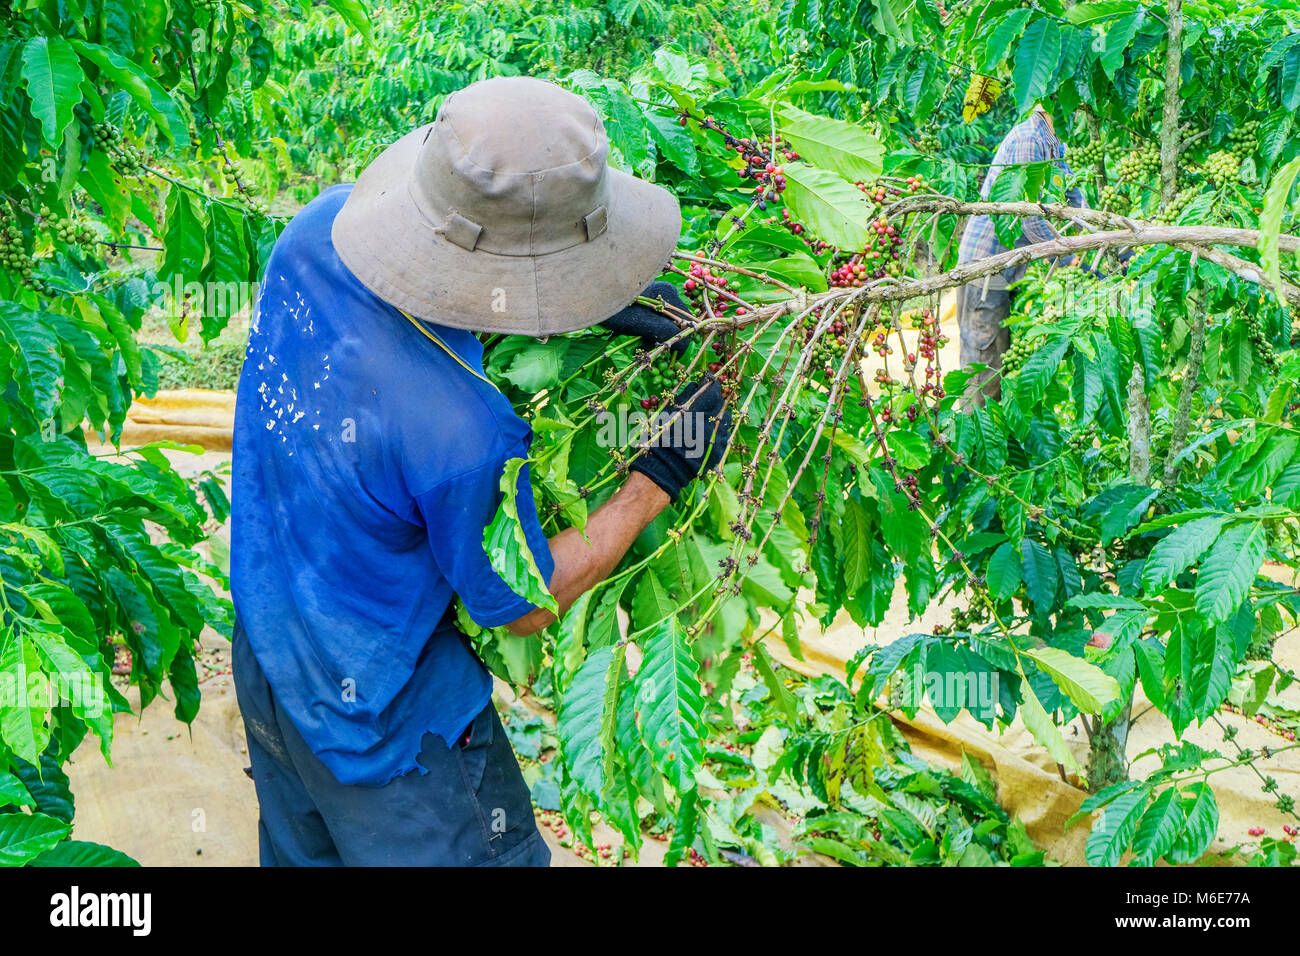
<point>456,513</point>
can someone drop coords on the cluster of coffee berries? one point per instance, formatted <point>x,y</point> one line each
<point>1222,166</point>
<point>554,821</point>
<point>879,338</point>
<point>700,277</point>
<point>931,339</point>
<point>880,256</point>
<point>232,174</point>
<point>965,618</point>
<point>1280,729</point>
<point>761,160</point>
<point>122,153</point>
<point>1171,210</point>
<point>877,192</point>
<point>728,375</point>
<point>703,285</point>
<point>830,346</point>
<point>850,273</point>
<point>881,192</point>
<point>1089,154</point>
<point>927,142</point>
<point>662,380</point>
<point>1114,198</point>
<point>1263,347</point>
<point>13,253</point>
<point>1242,139</point>
<point>71,232</point>
<point>770,176</point>
<point>1137,164</point>
<point>1015,356</point>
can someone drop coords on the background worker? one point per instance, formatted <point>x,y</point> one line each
<point>984,304</point>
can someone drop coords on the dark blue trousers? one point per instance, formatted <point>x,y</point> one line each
<point>471,809</point>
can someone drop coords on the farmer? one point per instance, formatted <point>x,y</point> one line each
<point>368,456</point>
<point>984,305</point>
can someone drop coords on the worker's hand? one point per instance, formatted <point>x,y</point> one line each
<point>653,327</point>
<point>691,442</point>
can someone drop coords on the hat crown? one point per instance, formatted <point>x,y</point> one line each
<point>514,166</point>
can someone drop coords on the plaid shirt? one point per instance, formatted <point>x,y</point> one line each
<point>1029,142</point>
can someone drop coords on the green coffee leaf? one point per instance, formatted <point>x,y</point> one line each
<point>1227,574</point>
<point>507,546</point>
<point>827,204</point>
<point>668,701</point>
<point>144,89</point>
<point>53,76</point>
<point>1036,59</point>
<point>1159,829</point>
<point>833,144</point>
<point>1048,735</point>
<point>1270,223</point>
<point>25,836</point>
<point>1115,827</point>
<point>22,723</point>
<point>1178,551</point>
<point>81,854</point>
<point>1089,687</point>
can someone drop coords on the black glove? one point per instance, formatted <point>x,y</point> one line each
<point>652,327</point>
<point>693,443</point>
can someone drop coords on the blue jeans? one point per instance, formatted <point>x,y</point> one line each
<point>472,808</point>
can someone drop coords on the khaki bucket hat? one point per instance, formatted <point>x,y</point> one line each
<point>503,215</point>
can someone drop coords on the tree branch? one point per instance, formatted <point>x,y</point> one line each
<point>1132,233</point>
<point>1141,234</point>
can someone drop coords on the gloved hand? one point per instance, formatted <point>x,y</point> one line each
<point>651,326</point>
<point>694,442</point>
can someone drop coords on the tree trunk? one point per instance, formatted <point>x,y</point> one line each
<point>1183,416</point>
<point>1107,759</point>
<point>1139,428</point>
<point>1172,107</point>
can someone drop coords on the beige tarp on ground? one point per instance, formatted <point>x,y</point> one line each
<point>175,793</point>
<point>191,416</point>
<point>1029,784</point>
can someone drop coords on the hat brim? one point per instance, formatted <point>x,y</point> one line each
<point>385,240</point>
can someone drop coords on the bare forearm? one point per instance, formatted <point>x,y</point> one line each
<point>581,564</point>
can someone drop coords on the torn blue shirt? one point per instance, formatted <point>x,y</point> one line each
<point>367,464</point>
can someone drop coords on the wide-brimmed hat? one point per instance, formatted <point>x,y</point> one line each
<point>503,215</point>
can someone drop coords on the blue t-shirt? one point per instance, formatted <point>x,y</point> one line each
<point>367,464</point>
